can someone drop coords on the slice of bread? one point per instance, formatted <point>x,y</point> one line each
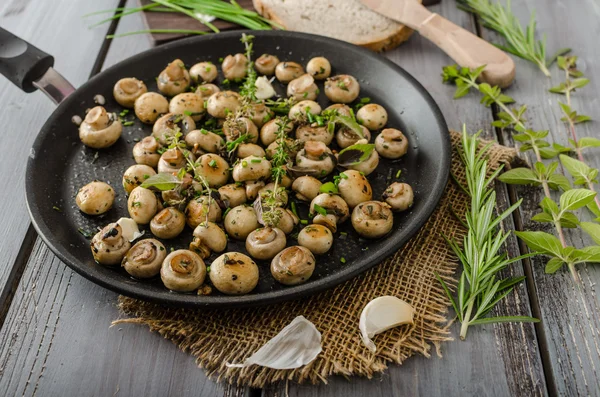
<point>345,20</point>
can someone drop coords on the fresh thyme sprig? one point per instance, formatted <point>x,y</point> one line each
<point>518,42</point>
<point>248,89</point>
<point>479,288</point>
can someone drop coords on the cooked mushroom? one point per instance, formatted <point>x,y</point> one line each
<point>319,68</point>
<point>233,194</point>
<point>391,143</point>
<point>265,243</point>
<point>340,109</point>
<point>299,110</point>
<point>234,273</point>
<point>205,141</point>
<point>183,271</point>
<point>372,219</point>
<point>142,205</point>
<point>145,258</point>
<point>252,189</point>
<point>372,116</point>
<point>268,132</point>
<point>312,132</point>
<point>202,209</point>
<point>127,90</point>
<point>172,160</point>
<point>174,79</point>
<point>317,238</point>
<point>168,223</point>
<point>369,164</point>
<point>315,158</point>
<point>213,168</point>
<point>250,149</point>
<point>293,265</point>
<point>188,103</point>
<point>265,64</point>
<point>203,72</point>
<point>222,103</point>
<point>259,113</point>
<point>208,238</point>
<point>100,129</point>
<point>281,194</point>
<point>240,222</point>
<point>168,125</point>
<point>251,168</point>
<point>399,196</point>
<point>342,88</point>
<point>329,210</point>
<point>291,147</point>
<point>354,188</point>
<point>206,90</point>
<point>235,66</point>
<point>288,71</point>
<point>346,137</point>
<point>235,128</point>
<point>95,198</point>
<point>146,152</point>
<point>306,188</point>
<point>149,106</point>
<point>109,246</point>
<point>303,87</point>
<point>135,175</point>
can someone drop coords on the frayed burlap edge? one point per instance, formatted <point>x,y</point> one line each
<point>216,337</point>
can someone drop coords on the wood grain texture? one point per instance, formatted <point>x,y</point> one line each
<point>570,317</point>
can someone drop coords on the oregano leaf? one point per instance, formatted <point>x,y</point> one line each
<point>541,242</point>
<point>576,198</point>
<point>576,168</point>
<point>519,176</point>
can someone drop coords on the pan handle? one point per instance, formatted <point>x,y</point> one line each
<point>30,68</point>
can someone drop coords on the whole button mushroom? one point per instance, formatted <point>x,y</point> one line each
<point>146,152</point>
<point>203,72</point>
<point>235,128</point>
<point>281,196</point>
<point>188,103</point>
<point>329,210</point>
<point>346,137</point>
<point>265,243</point>
<point>342,88</point>
<point>306,188</point>
<point>293,265</point>
<point>354,188</point>
<point>208,238</point>
<point>204,141</point>
<point>317,238</point>
<point>266,64</point>
<point>291,148</point>
<point>127,90</point>
<point>251,168</point>
<point>166,126</point>
<point>252,189</point>
<point>250,149</point>
<point>288,71</point>
<point>298,111</point>
<point>145,258</point>
<point>399,196</point>
<point>233,194</point>
<point>287,219</point>
<point>316,158</point>
<point>168,223</point>
<point>172,160</point>
<point>259,114</point>
<point>142,205</point>
<point>95,198</point>
<point>372,116</point>
<point>183,271</point>
<point>202,209</point>
<point>100,129</point>
<point>368,165</point>
<point>391,143</point>
<point>149,106</point>
<point>339,109</point>
<point>319,68</point>
<point>313,132</point>
<point>303,87</point>
<point>135,175</point>
<point>234,273</point>
<point>213,168</point>
<point>174,79</point>
<point>268,132</point>
<point>220,104</point>
<point>240,221</point>
<point>235,66</point>
<point>109,246</point>
<point>372,219</point>
<point>204,91</point>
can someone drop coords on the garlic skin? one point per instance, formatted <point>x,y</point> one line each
<point>381,314</point>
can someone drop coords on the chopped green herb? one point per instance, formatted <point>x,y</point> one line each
<point>213,163</point>
<point>55,208</point>
<point>343,260</point>
<point>187,112</point>
<point>256,160</point>
<point>85,233</point>
<point>244,163</point>
<point>304,221</point>
<point>398,174</point>
<point>127,123</point>
<point>320,209</point>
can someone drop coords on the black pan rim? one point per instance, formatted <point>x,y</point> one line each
<point>186,300</point>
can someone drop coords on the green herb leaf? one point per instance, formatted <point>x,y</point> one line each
<point>320,209</point>
<point>329,187</point>
<point>549,206</point>
<point>553,265</point>
<point>541,242</point>
<point>559,181</point>
<point>576,168</point>
<point>519,176</point>
<point>588,142</point>
<point>593,230</point>
<point>575,199</point>
<point>355,154</point>
<point>162,182</point>
<point>542,217</point>
<point>505,319</point>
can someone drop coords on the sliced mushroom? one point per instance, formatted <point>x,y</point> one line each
<point>252,189</point>
<point>317,238</point>
<point>135,175</point>
<point>399,196</point>
<point>208,238</point>
<point>265,64</point>
<point>354,188</point>
<point>234,273</point>
<point>293,265</point>
<point>240,222</point>
<point>236,127</point>
<point>306,187</point>
<point>146,152</point>
<point>100,129</point>
<point>303,87</point>
<point>172,160</point>
<point>265,243</point>
<point>298,111</point>
<point>109,246</point>
<point>206,90</point>
<point>127,90</point>
<point>174,79</point>
<point>329,210</point>
<point>202,209</point>
<point>183,271</point>
<point>342,88</point>
<point>372,219</point>
<point>346,137</point>
<point>142,205</point>
<point>319,68</point>
<point>288,71</point>
<point>188,103</point>
<point>252,169</point>
<point>149,106</point>
<point>205,141</point>
<point>316,158</point>
<point>372,116</point>
<point>168,223</point>
<point>233,194</point>
<point>250,149</point>
<point>95,198</point>
<point>313,132</point>
<point>168,125</point>
<point>203,72</point>
<point>222,103</point>
<point>235,66</point>
<point>367,166</point>
<point>213,168</point>
<point>391,143</point>
<point>259,113</point>
<point>145,258</point>
<point>268,132</point>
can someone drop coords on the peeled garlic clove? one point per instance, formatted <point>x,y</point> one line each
<point>295,346</point>
<point>381,314</point>
<point>264,89</point>
<point>130,229</point>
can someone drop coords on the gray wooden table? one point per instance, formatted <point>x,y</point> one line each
<point>55,337</point>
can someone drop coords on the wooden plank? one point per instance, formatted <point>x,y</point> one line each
<point>495,360</point>
<point>570,317</point>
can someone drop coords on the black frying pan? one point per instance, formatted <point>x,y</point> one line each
<point>60,164</point>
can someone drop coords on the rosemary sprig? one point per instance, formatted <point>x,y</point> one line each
<point>479,288</point>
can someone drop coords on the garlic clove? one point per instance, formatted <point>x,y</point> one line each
<point>264,89</point>
<point>294,346</point>
<point>130,229</point>
<point>381,314</point>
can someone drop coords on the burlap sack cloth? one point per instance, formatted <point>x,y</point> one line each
<point>215,337</point>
